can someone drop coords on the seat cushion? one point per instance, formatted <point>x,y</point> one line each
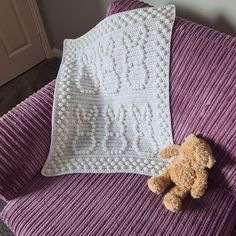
<point>114,204</point>
<point>202,89</point>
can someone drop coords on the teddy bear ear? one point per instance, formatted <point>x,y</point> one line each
<point>204,154</point>
<point>208,154</point>
<point>191,136</point>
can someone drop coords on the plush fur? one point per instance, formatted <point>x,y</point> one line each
<point>187,170</point>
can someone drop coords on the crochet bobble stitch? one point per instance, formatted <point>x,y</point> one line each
<point>114,128</point>
<point>111,108</point>
<point>89,118</point>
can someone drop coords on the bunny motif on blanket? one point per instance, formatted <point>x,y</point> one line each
<point>114,129</point>
<point>85,130</point>
<point>106,67</point>
<point>144,132</point>
<point>136,69</point>
<point>87,80</point>
<point>107,94</point>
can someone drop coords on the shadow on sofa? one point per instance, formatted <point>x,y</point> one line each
<point>220,23</point>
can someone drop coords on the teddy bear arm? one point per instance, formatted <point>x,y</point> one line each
<point>211,161</point>
<point>199,187</point>
<point>169,151</point>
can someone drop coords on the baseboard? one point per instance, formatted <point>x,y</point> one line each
<point>57,52</point>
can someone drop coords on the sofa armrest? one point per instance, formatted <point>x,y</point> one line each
<point>24,141</point>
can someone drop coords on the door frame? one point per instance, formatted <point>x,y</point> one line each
<point>40,28</point>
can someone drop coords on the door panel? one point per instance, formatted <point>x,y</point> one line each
<point>20,44</point>
<point>12,28</point>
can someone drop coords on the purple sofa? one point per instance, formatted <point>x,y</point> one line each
<point>203,101</point>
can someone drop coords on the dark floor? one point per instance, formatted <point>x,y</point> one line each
<point>26,84</point>
<point>4,231</point>
<point>20,88</point>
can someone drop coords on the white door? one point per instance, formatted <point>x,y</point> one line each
<point>20,44</point>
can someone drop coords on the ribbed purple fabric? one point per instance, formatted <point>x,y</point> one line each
<point>203,93</point>
<point>115,204</point>
<point>25,140</point>
<point>124,5</point>
<point>203,88</point>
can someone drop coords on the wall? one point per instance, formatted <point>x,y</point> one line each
<point>72,18</point>
<point>217,14</point>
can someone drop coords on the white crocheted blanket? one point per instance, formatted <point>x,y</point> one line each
<point>111,108</point>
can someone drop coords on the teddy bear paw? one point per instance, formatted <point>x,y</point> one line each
<point>197,193</point>
<point>156,185</point>
<point>172,203</point>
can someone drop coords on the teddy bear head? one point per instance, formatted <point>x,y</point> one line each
<point>197,151</point>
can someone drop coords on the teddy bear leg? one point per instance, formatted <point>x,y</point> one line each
<point>158,184</point>
<point>173,199</point>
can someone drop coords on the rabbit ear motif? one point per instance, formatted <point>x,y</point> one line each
<point>84,116</point>
<point>144,116</point>
<point>106,48</point>
<point>136,113</point>
<point>136,39</point>
<point>115,117</point>
<point>121,114</point>
<point>109,113</point>
<point>147,113</point>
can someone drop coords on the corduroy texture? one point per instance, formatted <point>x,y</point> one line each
<point>114,204</point>
<point>203,69</point>
<point>203,93</point>
<point>203,85</point>
<point>25,140</point>
<point>116,6</point>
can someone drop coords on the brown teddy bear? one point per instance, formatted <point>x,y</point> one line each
<point>187,170</point>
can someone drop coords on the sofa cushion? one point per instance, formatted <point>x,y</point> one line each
<point>114,204</point>
<point>202,88</point>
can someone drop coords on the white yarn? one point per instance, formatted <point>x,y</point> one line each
<point>111,105</point>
